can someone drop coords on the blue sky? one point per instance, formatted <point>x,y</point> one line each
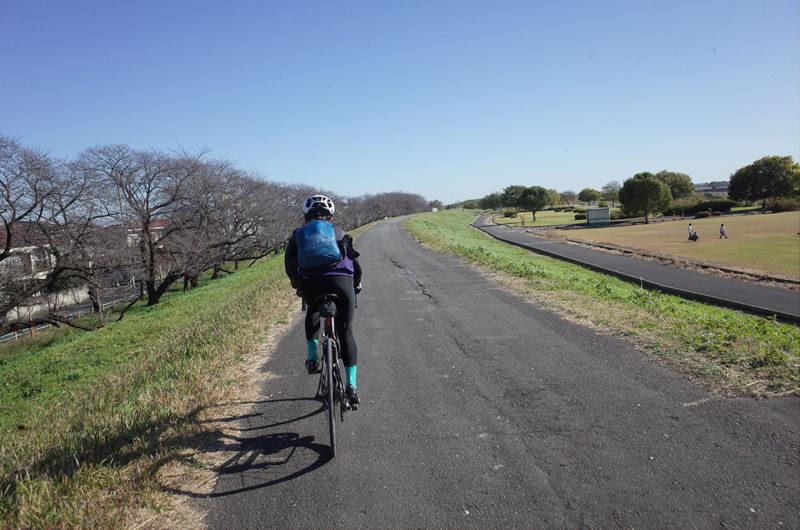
<point>448,99</point>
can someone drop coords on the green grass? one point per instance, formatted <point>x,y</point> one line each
<point>731,351</point>
<point>87,419</point>
<point>545,218</point>
<point>37,372</point>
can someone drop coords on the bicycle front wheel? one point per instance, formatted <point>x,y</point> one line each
<point>330,397</point>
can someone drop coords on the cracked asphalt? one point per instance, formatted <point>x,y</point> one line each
<point>483,410</point>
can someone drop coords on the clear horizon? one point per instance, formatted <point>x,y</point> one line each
<point>451,99</point>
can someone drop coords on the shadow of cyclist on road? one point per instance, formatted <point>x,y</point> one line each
<point>236,456</point>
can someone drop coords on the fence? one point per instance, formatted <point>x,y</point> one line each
<point>32,331</point>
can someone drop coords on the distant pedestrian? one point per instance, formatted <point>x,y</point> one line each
<point>722,231</point>
<point>691,231</point>
<point>694,237</point>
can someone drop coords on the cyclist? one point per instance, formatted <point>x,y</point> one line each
<point>320,259</point>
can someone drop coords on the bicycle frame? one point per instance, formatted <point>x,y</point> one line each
<point>329,337</point>
<point>331,384</point>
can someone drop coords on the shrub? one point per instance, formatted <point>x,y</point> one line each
<point>580,215</point>
<point>602,204</point>
<point>722,205</point>
<point>701,215</point>
<point>690,208</point>
<point>615,214</point>
<point>626,213</point>
<point>785,205</point>
<point>716,205</point>
<point>684,204</point>
<point>510,212</point>
<point>716,213</point>
<point>62,284</point>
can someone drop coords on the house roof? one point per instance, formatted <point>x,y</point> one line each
<point>156,223</point>
<point>27,234</point>
<point>23,235</point>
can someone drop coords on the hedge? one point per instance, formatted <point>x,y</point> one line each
<point>785,205</point>
<point>714,205</point>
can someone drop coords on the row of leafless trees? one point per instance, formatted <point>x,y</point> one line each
<point>116,216</point>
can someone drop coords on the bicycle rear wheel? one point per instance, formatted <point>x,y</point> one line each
<point>338,385</point>
<point>330,397</point>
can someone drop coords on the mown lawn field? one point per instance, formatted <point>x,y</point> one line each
<point>768,242</point>
<point>545,218</point>
<point>732,352</point>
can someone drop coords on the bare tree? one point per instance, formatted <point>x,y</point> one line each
<point>611,191</point>
<point>116,214</point>
<point>375,207</point>
<point>223,211</point>
<point>569,196</point>
<point>25,184</point>
<point>150,187</point>
<point>50,220</point>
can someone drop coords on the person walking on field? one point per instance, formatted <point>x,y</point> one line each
<point>722,231</point>
<point>691,230</point>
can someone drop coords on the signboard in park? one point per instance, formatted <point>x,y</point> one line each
<point>598,216</point>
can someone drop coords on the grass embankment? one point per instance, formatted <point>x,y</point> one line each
<point>87,420</point>
<point>768,243</point>
<point>732,352</point>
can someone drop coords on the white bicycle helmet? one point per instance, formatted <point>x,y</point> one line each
<point>319,203</point>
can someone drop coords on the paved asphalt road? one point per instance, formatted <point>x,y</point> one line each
<point>482,410</point>
<point>734,291</point>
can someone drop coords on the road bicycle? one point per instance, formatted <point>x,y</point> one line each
<point>331,383</point>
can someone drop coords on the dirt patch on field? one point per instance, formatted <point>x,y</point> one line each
<point>772,280</point>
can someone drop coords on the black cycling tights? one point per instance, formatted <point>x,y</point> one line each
<point>341,286</point>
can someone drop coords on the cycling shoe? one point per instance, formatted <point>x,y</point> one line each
<point>352,396</point>
<point>313,367</point>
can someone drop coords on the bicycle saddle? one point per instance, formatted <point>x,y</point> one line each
<point>327,304</point>
<point>323,297</point>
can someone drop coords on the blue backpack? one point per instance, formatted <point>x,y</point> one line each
<point>316,245</point>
